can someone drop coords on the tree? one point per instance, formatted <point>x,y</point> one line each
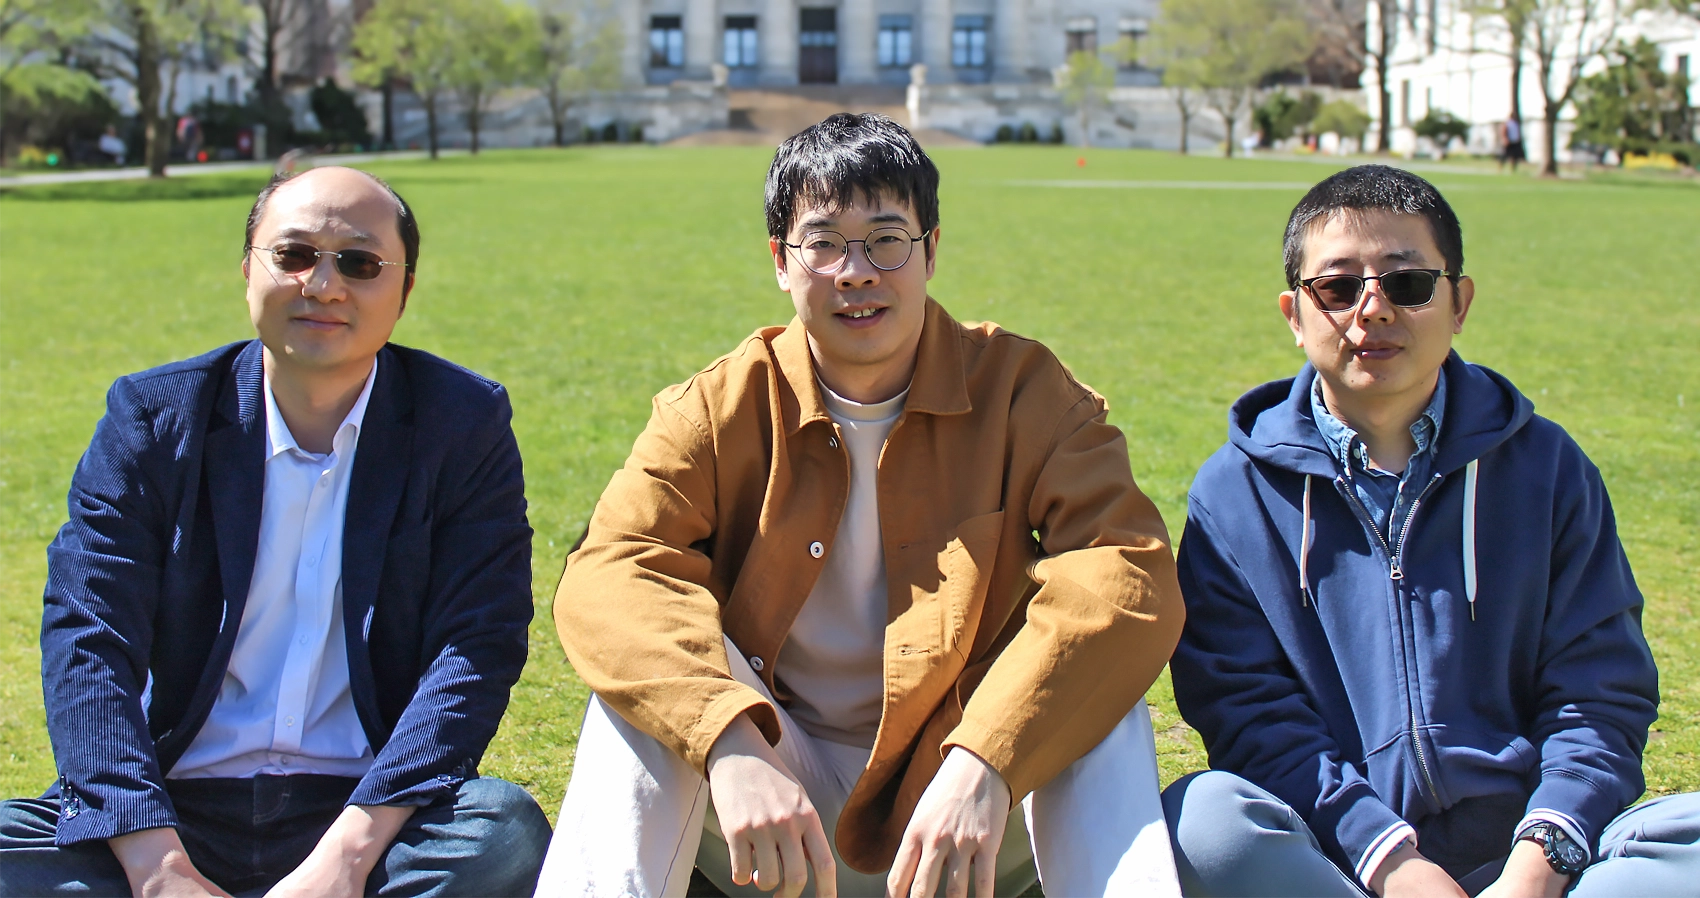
<point>1442,127</point>
<point>45,96</point>
<point>1579,30</point>
<point>148,43</point>
<point>571,59</point>
<point>1634,106</point>
<point>275,16</point>
<point>1183,74</point>
<point>1341,117</point>
<point>1386,35</point>
<point>487,55</point>
<point>1282,115</point>
<point>1234,46</point>
<point>1510,19</point>
<point>1085,81</point>
<point>412,40</point>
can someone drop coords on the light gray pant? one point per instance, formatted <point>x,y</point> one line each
<point>1232,838</point>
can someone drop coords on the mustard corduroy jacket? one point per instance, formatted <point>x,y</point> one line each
<point>1031,588</point>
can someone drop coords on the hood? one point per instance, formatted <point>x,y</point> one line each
<point>1272,423</point>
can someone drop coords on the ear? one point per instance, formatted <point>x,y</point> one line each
<point>406,288</point>
<point>1463,294</point>
<point>932,247</point>
<point>245,257</point>
<point>776,249</point>
<point>1289,302</point>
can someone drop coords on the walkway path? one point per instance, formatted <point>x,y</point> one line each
<point>200,168</point>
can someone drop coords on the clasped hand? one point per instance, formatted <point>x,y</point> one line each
<point>775,836</point>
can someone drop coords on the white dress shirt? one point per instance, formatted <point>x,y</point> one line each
<point>285,705</point>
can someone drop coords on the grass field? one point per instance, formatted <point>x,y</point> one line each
<point>586,280</point>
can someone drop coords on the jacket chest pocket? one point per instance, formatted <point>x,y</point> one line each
<point>965,568</point>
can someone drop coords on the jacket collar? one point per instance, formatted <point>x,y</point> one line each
<point>939,387</point>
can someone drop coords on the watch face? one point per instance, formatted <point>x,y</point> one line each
<point>1569,853</point>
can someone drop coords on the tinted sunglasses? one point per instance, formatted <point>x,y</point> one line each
<point>1407,288</point>
<point>355,264</point>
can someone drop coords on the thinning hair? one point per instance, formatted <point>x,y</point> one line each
<point>1373,188</point>
<point>846,156</point>
<point>406,224</point>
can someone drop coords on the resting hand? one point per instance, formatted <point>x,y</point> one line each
<point>1407,874</point>
<point>958,825</point>
<point>1527,875</point>
<point>345,855</point>
<point>157,866</point>
<point>766,816</point>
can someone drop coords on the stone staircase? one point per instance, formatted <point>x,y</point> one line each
<point>764,117</point>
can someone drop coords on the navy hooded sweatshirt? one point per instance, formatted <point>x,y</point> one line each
<point>1370,693</point>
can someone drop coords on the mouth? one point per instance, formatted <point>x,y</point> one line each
<point>863,316</point>
<point>320,324</point>
<point>1376,351</point>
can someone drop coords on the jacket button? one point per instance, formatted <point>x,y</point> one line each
<point>816,549</point>
<point>757,663</point>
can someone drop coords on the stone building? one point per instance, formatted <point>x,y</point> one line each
<point>788,42</point>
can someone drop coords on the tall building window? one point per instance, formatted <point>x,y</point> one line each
<point>968,42</point>
<point>1133,33</point>
<point>1082,34</point>
<point>666,42</point>
<point>740,42</point>
<point>896,41</point>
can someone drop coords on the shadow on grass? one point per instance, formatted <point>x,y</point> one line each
<point>197,187</point>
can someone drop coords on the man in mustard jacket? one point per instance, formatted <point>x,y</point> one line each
<point>863,583</point>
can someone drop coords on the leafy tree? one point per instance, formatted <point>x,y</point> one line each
<point>1634,106</point>
<point>412,40</point>
<point>1233,46</point>
<point>488,54</point>
<point>1386,34</point>
<point>147,44</point>
<point>43,94</point>
<point>1085,81</point>
<point>571,58</point>
<point>1442,127</point>
<point>1282,115</point>
<point>1341,117</point>
<point>1508,19</point>
<point>1183,74</point>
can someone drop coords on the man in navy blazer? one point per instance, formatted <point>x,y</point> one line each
<point>283,620</point>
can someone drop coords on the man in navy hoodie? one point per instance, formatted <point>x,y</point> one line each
<point>1413,643</point>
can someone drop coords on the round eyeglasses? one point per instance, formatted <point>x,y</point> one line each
<point>825,252</point>
<point>1407,288</point>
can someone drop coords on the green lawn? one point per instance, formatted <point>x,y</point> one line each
<point>586,280</point>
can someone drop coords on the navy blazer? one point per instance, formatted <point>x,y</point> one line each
<point>147,581</point>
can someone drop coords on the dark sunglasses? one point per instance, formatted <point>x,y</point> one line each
<point>355,264</point>
<point>1407,288</point>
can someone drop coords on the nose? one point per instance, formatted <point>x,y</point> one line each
<point>858,270</point>
<point>1374,305</point>
<point>323,281</point>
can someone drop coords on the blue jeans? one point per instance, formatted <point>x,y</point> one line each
<point>246,834</point>
<point>1233,838</point>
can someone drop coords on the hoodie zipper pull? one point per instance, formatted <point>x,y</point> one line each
<point>1394,571</point>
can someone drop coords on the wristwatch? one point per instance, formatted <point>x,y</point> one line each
<point>1565,856</point>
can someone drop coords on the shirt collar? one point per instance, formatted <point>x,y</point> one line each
<point>1343,441</point>
<point>277,430</point>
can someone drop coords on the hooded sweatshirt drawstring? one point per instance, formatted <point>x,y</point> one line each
<point>1469,540</point>
<point>1470,534</point>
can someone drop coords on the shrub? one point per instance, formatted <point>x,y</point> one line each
<point>1027,133</point>
<point>1283,115</point>
<point>1005,134</point>
<point>1341,117</point>
<point>341,120</point>
<point>611,132</point>
<point>1442,127</point>
<point>1056,133</point>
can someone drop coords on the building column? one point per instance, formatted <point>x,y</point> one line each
<point>634,25</point>
<point>1009,41</point>
<point>702,27</point>
<point>858,34</point>
<point>936,24</point>
<point>778,37</point>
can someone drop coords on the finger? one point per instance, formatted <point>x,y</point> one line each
<point>767,863</point>
<point>956,873</point>
<point>986,870</point>
<point>739,847</point>
<point>795,874</point>
<point>928,870</point>
<point>820,856</point>
<point>903,868</point>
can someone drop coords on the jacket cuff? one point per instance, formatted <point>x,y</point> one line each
<point>1364,829</point>
<point>1573,804</point>
<point>85,817</point>
<point>1385,844</point>
<point>719,715</point>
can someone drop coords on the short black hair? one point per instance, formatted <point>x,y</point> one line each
<point>406,224</point>
<point>1378,188</point>
<point>845,156</point>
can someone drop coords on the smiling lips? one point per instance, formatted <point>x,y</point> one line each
<point>866,316</point>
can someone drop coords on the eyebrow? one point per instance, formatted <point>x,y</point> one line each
<point>297,233</point>
<point>822,221</point>
<point>1398,255</point>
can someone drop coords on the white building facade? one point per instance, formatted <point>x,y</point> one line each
<point>789,42</point>
<point>1446,59</point>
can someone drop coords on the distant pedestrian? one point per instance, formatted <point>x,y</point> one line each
<point>1511,143</point>
<point>189,135</point>
<point>112,146</point>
